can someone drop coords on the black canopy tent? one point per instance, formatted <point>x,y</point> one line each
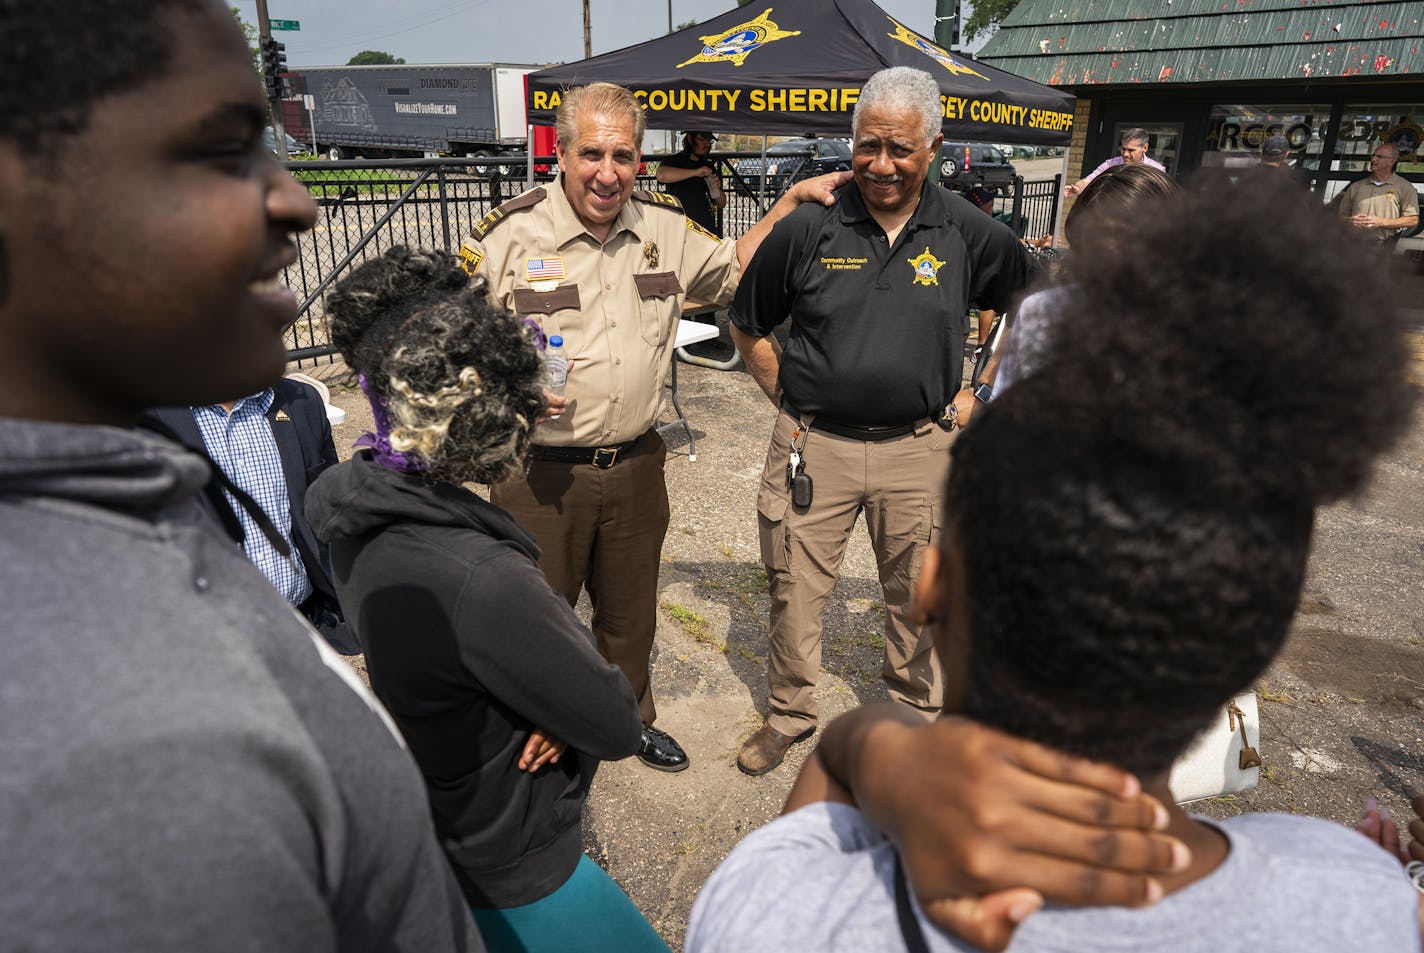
<point>797,66</point>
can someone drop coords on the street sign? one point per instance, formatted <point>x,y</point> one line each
<point>285,24</point>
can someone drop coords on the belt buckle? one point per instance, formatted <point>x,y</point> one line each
<point>605,457</point>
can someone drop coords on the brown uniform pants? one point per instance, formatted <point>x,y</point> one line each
<point>602,530</point>
<point>897,485</point>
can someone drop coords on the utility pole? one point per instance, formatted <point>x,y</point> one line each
<point>587,41</point>
<point>947,26</point>
<point>271,60</point>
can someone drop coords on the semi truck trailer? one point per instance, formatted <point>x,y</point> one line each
<point>381,112</point>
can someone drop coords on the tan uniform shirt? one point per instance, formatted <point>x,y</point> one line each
<point>616,304</point>
<point>1393,198</point>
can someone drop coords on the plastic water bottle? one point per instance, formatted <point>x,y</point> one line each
<point>556,366</point>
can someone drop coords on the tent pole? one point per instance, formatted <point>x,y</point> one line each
<point>529,160</point>
<point>761,187</point>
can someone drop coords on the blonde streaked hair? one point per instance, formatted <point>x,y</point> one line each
<point>455,383</point>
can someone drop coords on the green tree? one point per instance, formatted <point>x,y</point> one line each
<point>375,58</point>
<point>684,26</point>
<point>250,32</point>
<point>985,16</point>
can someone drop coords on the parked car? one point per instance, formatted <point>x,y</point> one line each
<point>964,165</point>
<point>294,148</point>
<point>787,160</point>
<point>1033,152</point>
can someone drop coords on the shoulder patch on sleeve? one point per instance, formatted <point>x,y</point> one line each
<point>658,198</point>
<point>527,200</point>
<point>470,257</point>
<point>694,227</point>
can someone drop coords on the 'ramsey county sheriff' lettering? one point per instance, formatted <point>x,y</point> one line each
<point>824,100</point>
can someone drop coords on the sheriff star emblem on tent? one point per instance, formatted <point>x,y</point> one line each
<point>941,56</point>
<point>740,41</point>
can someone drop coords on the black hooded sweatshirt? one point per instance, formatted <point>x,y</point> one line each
<point>470,648</point>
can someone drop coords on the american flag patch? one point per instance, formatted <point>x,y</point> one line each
<point>543,269</point>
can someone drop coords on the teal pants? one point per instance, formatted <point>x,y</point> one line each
<point>588,913</point>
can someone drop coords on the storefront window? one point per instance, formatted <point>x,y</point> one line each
<point>1364,127</point>
<point>1235,134</point>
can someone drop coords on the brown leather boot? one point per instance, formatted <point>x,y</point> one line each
<point>766,748</point>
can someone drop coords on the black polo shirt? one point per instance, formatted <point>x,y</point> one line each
<point>693,193</point>
<point>877,331</point>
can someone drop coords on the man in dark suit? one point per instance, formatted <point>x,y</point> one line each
<point>272,445</point>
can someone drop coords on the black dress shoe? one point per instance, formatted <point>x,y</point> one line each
<point>657,750</point>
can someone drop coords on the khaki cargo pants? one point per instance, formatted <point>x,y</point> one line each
<point>897,484</point>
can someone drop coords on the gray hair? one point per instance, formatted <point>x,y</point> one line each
<point>1136,135</point>
<point>598,99</point>
<point>902,87</point>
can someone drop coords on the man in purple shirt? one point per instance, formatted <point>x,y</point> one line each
<point>1134,149</point>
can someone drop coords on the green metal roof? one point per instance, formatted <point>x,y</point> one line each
<point>1200,41</point>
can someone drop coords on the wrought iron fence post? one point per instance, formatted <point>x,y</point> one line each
<point>444,206</point>
<point>1053,203</point>
<point>1016,221</point>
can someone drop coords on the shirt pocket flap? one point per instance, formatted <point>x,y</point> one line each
<point>529,301</point>
<point>660,284</point>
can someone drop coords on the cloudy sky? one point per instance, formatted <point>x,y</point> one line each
<point>483,31</point>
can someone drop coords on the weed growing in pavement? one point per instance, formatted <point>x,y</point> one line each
<point>694,624</point>
<point>1272,695</point>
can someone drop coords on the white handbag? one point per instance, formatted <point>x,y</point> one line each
<point>1223,759</point>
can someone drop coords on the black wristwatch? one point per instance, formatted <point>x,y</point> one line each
<point>983,392</point>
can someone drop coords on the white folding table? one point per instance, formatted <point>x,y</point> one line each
<point>688,332</point>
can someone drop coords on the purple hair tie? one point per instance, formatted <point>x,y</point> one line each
<point>541,340</point>
<point>380,441</point>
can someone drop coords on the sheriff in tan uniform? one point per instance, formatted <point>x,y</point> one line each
<point>616,303</point>
<point>607,268</point>
<point>1383,203</point>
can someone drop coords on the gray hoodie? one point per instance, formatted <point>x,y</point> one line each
<point>182,765</point>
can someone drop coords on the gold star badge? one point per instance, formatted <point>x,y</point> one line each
<point>650,254</point>
<point>937,53</point>
<point>742,40</point>
<point>926,267</point>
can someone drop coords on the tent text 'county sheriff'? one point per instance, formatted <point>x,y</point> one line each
<point>797,66</point>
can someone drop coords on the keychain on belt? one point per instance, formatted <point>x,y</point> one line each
<point>797,479</point>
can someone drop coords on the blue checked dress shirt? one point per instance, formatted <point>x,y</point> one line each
<point>242,444</point>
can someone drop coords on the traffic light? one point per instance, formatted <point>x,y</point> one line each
<point>274,65</point>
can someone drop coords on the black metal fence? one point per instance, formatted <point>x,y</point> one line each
<point>366,207</point>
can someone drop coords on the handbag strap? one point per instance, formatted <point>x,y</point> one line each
<point>910,930</point>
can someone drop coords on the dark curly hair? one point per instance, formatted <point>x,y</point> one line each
<point>61,57</point>
<point>460,379</point>
<point>1136,513</point>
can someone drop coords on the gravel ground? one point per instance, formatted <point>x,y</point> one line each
<point>1341,709</point>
